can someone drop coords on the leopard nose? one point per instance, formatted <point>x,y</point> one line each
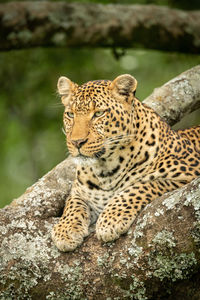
<point>79,143</point>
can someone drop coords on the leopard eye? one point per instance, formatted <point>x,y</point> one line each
<point>98,114</point>
<point>70,115</point>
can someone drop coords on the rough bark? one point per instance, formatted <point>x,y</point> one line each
<point>61,24</point>
<point>178,97</point>
<point>159,258</point>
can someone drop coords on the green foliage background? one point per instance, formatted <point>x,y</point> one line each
<point>31,135</point>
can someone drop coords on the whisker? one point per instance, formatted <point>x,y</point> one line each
<point>121,136</point>
<point>58,104</point>
<point>100,153</point>
<point>118,139</point>
<point>63,130</point>
<point>56,94</point>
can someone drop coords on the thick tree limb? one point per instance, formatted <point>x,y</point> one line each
<point>159,254</point>
<point>178,97</point>
<point>61,24</point>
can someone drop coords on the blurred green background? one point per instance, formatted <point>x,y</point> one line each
<point>31,112</point>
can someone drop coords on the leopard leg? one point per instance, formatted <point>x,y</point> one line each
<point>120,212</point>
<point>72,226</point>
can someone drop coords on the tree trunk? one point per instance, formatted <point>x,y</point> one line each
<point>159,258</point>
<point>61,24</point>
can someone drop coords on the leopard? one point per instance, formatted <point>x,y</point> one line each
<point>126,156</point>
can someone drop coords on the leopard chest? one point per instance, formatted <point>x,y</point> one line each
<point>97,186</point>
<point>94,190</point>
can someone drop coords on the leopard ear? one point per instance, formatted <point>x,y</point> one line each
<point>65,87</point>
<point>124,86</point>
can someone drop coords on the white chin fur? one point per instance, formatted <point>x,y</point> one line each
<point>84,161</point>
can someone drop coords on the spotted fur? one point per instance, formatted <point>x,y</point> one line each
<point>128,155</point>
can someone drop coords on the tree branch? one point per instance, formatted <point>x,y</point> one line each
<point>159,254</point>
<point>61,24</point>
<point>178,97</point>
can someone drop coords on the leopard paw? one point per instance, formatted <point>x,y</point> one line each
<point>110,231</point>
<point>67,239</point>
<point>107,234</point>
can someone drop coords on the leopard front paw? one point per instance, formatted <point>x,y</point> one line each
<point>66,238</point>
<point>110,230</point>
<point>106,234</point>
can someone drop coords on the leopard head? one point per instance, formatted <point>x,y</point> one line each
<point>98,114</point>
